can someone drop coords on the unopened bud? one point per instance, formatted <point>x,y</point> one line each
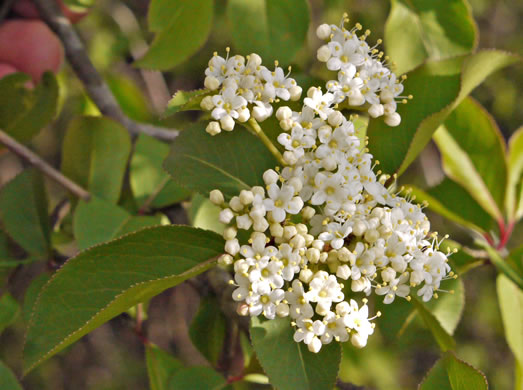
<point>211,83</point>
<point>207,103</point>
<point>323,31</point>
<point>213,128</point>
<point>216,197</point>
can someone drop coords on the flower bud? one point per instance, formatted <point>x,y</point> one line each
<point>226,216</point>
<point>358,340</point>
<point>232,246</point>
<point>295,92</point>
<point>329,163</point>
<point>308,212</point>
<point>236,204</point>
<point>323,31</point>
<point>282,310</point>
<point>270,176</point>
<point>306,275</point>
<point>260,112</point>
<point>207,103</point>
<point>343,308</point>
<point>225,260</point>
<point>356,98</point>
<point>289,232</point>
<point>242,309</point>
<point>296,183</point>
<point>260,225</point>
<point>290,158</point>
<point>244,115</point>
<point>211,83</point>
<point>283,112</point>
<point>254,59</point>
<point>359,228</point>
<point>386,96</point>
<point>216,197</point>
<point>258,190</point>
<point>323,54</point>
<point>246,197</point>
<point>286,124</point>
<point>213,128</point>
<point>230,233</point>
<point>343,272</point>
<point>276,230</point>
<point>389,108</point>
<point>344,254</point>
<point>335,118</point>
<point>393,119</point>
<point>227,123</point>
<point>244,222</point>
<point>376,110</point>
<point>301,229</point>
<point>297,241</point>
<point>318,244</point>
<point>388,274</point>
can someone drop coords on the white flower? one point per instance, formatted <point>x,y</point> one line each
<point>319,102</point>
<point>395,287</point>
<point>309,332</point>
<point>267,304</point>
<point>324,289</point>
<point>300,306</point>
<point>335,328</point>
<point>282,201</point>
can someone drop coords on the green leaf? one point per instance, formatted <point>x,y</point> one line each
<point>448,308</point>
<point>463,376</point>
<point>24,112</point>
<point>231,161</point>
<point>94,155</point>
<point>453,202</point>
<point>503,266</point>
<point>197,378</point>
<point>147,176</point>
<point>31,294</point>
<point>513,205</point>
<point>276,30</point>
<point>9,310</point>
<point>161,366</point>
<point>130,96</point>
<point>181,28</point>
<point>444,340</point>
<point>473,153</point>
<point>186,101</point>
<point>8,380</point>
<point>454,374</point>
<point>462,260</point>
<point>108,279</point>
<point>98,221</point>
<point>418,30</point>
<point>204,214</point>
<point>290,365</point>
<point>438,87</point>
<point>207,330</point>
<point>23,210</point>
<point>436,378</point>
<point>511,305</point>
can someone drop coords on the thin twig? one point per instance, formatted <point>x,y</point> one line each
<point>87,73</point>
<point>153,79</point>
<point>33,159</point>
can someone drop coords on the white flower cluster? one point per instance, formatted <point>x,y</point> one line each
<point>245,87</point>
<point>362,77</point>
<point>324,229</point>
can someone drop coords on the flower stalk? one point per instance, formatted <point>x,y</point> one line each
<point>255,127</point>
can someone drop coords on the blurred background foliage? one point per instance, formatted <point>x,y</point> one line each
<point>112,357</point>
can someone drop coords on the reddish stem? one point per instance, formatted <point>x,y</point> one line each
<point>489,239</point>
<point>233,379</point>
<point>505,232</point>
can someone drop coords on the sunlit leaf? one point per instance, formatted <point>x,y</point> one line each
<point>513,199</point>
<point>503,266</point>
<point>108,279</point>
<point>275,30</point>
<point>185,101</point>
<point>473,153</point>
<point>290,365</point>
<point>448,308</point>
<point>23,211</point>
<point>510,299</point>
<point>453,374</point>
<point>438,87</point>
<point>443,338</point>
<point>433,29</point>
<point>181,28</point>
<point>231,161</point>
<point>94,155</point>
<point>204,214</point>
